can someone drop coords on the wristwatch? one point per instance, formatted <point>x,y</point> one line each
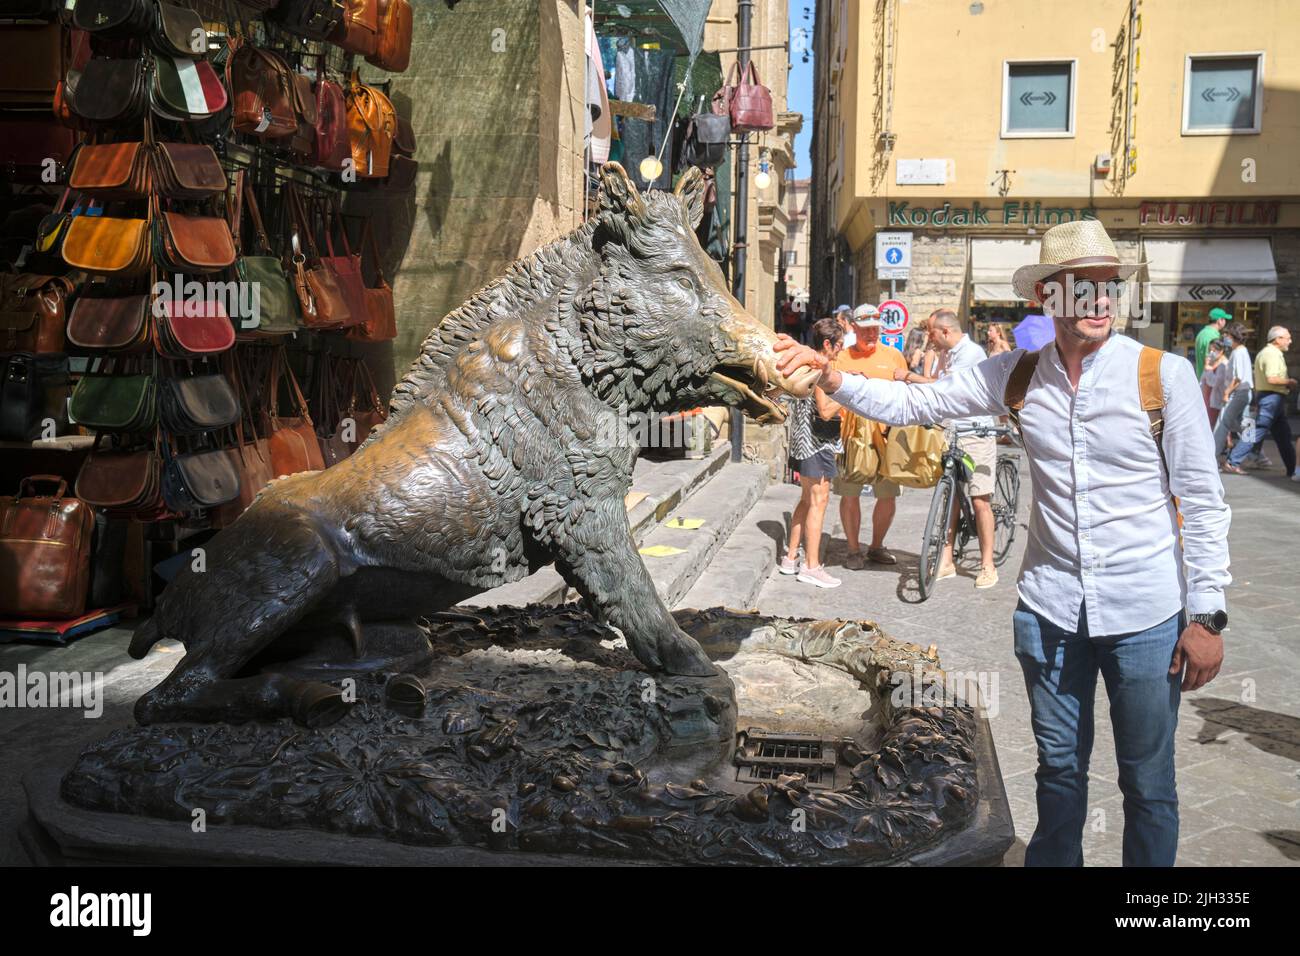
<point>1214,622</point>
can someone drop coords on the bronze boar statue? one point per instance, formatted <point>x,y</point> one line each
<point>507,448</point>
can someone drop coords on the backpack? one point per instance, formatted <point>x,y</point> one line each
<point>1150,390</point>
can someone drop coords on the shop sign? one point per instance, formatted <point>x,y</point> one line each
<point>1210,213</point>
<point>977,214</point>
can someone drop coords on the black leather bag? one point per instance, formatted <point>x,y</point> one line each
<point>313,19</point>
<point>112,91</point>
<point>706,140</point>
<point>115,18</point>
<point>198,404</point>
<point>33,388</point>
<point>198,480</point>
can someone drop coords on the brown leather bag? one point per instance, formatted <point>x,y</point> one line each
<point>396,26</point>
<point>32,312</point>
<point>294,446</point>
<point>123,482</point>
<point>112,324</point>
<point>372,126</point>
<point>112,170</point>
<point>381,317</point>
<point>250,454</point>
<point>359,30</point>
<point>44,552</point>
<point>187,171</point>
<point>194,245</point>
<point>322,300</point>
<point>262,92</point>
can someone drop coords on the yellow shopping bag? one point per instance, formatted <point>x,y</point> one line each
<point>913,456</point>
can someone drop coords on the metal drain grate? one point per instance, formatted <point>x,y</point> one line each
<point>763,756</point>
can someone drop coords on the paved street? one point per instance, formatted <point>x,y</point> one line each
<point>1238,744</point>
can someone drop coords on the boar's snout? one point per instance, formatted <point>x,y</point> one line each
<point>748,374</point>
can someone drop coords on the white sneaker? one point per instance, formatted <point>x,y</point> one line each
<point>817,576</point>
<point>1295,475</point>
<point>789,565</point>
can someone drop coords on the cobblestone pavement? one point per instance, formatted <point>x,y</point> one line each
<point>1238,739</point>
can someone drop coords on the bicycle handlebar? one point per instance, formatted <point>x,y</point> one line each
<point>983,431</point>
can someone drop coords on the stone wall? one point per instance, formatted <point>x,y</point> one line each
<point>938,277</point>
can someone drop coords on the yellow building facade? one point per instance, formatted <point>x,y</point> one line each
<point>971,127</point>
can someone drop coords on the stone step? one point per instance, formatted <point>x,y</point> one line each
<point>747,559</point>
<point>657,488</point>
<point>722,505</point>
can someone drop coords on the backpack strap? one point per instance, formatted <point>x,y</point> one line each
<point>1013,396</point>
<point>1152,393</point>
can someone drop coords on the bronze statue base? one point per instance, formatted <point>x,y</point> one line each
<point>531,732</point>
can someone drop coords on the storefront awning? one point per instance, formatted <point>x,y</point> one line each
<point>1210,270</point>
<point>992,262</point>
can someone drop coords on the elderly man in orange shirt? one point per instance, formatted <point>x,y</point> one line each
<point>866,356</point>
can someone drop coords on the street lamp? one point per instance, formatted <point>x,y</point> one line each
<point>763,178</point>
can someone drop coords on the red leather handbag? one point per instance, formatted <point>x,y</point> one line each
<point>333,148</point>
<point>747,100</point>
<point>261,91</point>
<point>381,317</point>
<point>44,552</point>
<point>359,30</point>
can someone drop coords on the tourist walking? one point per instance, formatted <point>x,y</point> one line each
<point>1272,385</point>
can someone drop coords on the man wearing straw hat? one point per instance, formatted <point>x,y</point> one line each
<point>1108,586</point>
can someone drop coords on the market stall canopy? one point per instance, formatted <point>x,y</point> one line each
<point>680,22</point>
<point>1210,270</point>
<point>992,263</point>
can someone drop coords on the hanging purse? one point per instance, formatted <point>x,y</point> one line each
<point>322,302</point>
<point>276,306</point>
<point>313,19</point>
<point>124,482</point>
<point>293,442</point>
<point>197,480</point>
<point>115,18</point>
<point>178,31</point>
<point>115,402</point>
<point>706,140</point>
<point>183,89</point>
<point>332,147</point>
<point>346,268</point>
<point>372,125</point>
<point>250,455</point>
<point>748,102</point>
<point>187,171</point>
<point>32,312</point>
<point>262,91</point>
<point>112,170</point>
<point>105,245</point>
<point>358,32</point>
<point>33,393</point>
<point>381,318</point>
<point>396,27</point>
<point>196,404</point>
<point>112,91</point>
<point>190,328</point>
<point>192,244</point>
<point>366,409</point>
<point>113,324</point>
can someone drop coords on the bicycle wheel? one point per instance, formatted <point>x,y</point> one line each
<point>936,532</point>
<point>1006,498</point>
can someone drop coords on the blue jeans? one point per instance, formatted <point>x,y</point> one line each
<point>1271,420</point>
<point>1060,669</point>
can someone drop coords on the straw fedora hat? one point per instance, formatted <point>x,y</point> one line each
<point>1081,245</point>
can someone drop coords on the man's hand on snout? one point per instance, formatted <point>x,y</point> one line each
<point>796,356</point>
<point>1200,651</point>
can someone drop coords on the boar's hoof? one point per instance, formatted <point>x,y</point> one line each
<point>684,657</point>
<point>318,705</point>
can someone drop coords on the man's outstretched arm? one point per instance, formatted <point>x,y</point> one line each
<point>974,391</point>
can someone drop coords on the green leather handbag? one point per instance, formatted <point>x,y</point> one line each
<point>115,403</point>
<point>276,311</point>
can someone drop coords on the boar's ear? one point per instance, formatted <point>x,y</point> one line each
<point>618,194</point>
<point>690,190</point>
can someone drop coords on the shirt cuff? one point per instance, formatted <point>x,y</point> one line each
<point>1205,602</point>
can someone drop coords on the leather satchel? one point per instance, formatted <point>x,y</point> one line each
<point>32,312</point>
<point>396,27</point>
<point>193,244</point>
<point>189,328</point>
<point>33,60</point>
<point>112,170</point>
<point>104,245</point>
<point>178,31</point>
<point>293,443</point>
<point>372,125</point>
<point>322,300</point>
<point>276,311</point>
<point>358,32</point>
<point>183,89</point>
<point>111,91</point>
<point>197,404</point>
<point>115,18</point>
<point>303,141</point>
<point>332,147</point>
<point>706,140</point>
<point>262,90</point>
<point>198,480</point>
<point>124,482</point>
<point>115,403</point>
<point>381,317</point>
<point>44,551</point>
<point>313,19</point>
<point>747,101</point>
<point>110,324</point>
<point>187,171</point>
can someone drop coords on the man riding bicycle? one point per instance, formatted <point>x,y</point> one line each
<point>956,352</point>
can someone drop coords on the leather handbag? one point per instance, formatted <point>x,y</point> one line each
<point>32,312</point>
<point>193,244</point>
<point>33,60</point>
<point>197,404</point>
<point>27,142</point>
<point>262,92</point>
<point>293,442</point>
<point>115,402</point>
<point>183,89</point>
<point>33,393</point>
<point>178,31</point>
<point>115,18</point>
<point>111,91</point>
<point>187,171</point>
<point>358,32</point>
<point>44,551</point>
<point>110,324</point>
<point>746,100</point>
<point>313,19</point>
<point>123,481</point>
<point>396,28</point>
<point>250,455</point>
<point>322,301</point>
<point>104,245</point>
<point>372,125</point>
<point>346,267</point>
<point>365,408</point>
<point>197,480</point>
<point>276,311</point>
<point>380,324</point>
<point>112,170</point>
<point>189,328</point>
<point>303,141</point>
<point>332,147</point>
<point>705,142</point>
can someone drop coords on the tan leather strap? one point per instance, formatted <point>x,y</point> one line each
<point>1022,373</point>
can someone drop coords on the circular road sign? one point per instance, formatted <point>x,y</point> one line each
<point>893,316</point>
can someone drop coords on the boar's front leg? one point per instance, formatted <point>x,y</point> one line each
<point>597,556</point>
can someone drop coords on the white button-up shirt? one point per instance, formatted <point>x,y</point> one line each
<point>965,354</point>
<point>1103,531</point>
